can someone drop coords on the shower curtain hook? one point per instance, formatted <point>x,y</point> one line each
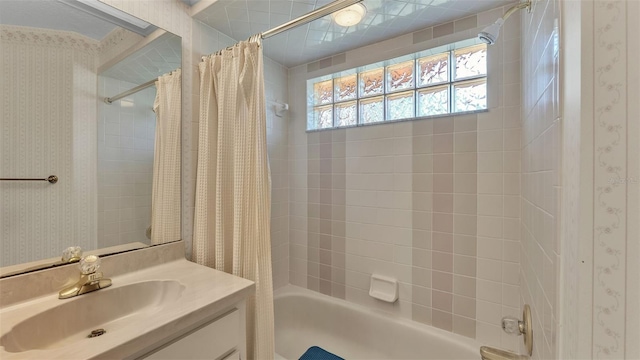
<point>255,38</point>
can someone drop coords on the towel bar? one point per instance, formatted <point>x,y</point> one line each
<point>51,179</point>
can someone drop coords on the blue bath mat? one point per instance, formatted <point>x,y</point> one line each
<point>317,353</point>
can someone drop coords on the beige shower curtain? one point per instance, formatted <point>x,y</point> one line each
<point>165,194</point>
<point>233,186</point>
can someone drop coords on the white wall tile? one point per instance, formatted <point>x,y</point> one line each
<point>389,186</point>
<point>128,130</point>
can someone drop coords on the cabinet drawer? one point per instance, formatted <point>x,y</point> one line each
<point>211,341</point>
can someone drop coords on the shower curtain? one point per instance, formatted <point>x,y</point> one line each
<point>165,193</point>
<point>233,185</point>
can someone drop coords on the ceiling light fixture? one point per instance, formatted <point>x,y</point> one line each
<point>349,16</point>
<point>115,16</point>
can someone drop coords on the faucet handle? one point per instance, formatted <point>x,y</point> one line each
<point>514,326</point>
<point>511,325</point>
<point>89,264</point>
<point>71,254</point>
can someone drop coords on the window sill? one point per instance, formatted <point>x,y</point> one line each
<point>401,120</point>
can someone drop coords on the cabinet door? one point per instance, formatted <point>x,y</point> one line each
<point>211,341</point>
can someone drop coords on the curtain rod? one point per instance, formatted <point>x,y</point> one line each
<point>110,100</point>
<point>309,17</point>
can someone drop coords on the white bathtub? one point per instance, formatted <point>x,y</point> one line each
<point>304,318</point>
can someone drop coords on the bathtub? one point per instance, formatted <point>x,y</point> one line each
<point>304,318</point>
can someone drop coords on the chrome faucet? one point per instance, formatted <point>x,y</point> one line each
<point>90,279</point>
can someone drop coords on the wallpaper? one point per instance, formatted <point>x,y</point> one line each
<point>598,282</point>
<point>48,128</point>
<point>614,178</point>
<point>115,44</point>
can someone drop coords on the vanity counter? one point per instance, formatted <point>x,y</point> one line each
<point>185,297</point>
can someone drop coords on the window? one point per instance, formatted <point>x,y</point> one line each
<point>449,79</point>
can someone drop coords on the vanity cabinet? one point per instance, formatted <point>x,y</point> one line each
<point>222,338</point>
<point>169,309</point>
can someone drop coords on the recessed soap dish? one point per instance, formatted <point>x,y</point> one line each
<point>383,288</point>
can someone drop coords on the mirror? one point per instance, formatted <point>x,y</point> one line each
<point>117,164</point>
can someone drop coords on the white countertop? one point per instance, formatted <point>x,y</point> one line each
<point>207,293</point>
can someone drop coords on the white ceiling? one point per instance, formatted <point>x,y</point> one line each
<point>50,14</point>
<point>159,57</point>
<point>385,19</point>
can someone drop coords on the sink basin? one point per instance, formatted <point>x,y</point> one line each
<point>73,319</point>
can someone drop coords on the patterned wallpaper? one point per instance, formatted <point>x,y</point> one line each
<point>45,131</point>
<point>598,283</point>
<point>115,44</point>
<point>615,176</point>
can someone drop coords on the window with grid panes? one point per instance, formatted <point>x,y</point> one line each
<point>445,80</point>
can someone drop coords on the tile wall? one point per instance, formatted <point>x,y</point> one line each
<point>433,203</point>
<point>541,176</point>
<point>277,92</point>
<point>126,136</point>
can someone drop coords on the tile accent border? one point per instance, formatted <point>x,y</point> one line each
<point>326,208</point>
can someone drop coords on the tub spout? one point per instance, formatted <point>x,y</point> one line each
<point>489,353</point>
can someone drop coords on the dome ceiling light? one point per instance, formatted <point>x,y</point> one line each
<point>349,16</point>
